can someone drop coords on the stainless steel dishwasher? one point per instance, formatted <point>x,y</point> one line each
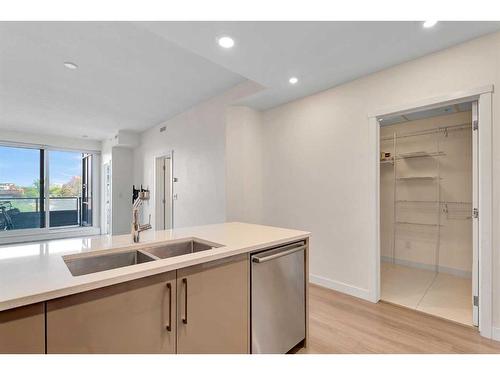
<point>278,298</point>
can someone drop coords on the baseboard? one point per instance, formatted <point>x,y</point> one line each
<point>340,287</point>
<point>495,333</point>
<point>428,267</point>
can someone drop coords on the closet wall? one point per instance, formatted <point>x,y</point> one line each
<point>427,223</point>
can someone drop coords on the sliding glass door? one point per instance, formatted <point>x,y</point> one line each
<point>21,188</point>
<point>44,188</point>
<point>65,188</point>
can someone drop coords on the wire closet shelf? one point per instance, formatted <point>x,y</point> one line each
<point>441,206</point>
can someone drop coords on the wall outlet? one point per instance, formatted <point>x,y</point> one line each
<point>407,245</point>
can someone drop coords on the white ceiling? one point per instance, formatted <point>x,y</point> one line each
<point>135,75</point>
<point>128,78</point>
<point>320,54</point>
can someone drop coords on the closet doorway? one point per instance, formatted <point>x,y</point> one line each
<point>428,195</point>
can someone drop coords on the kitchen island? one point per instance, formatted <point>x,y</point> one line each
<point>198,302</point>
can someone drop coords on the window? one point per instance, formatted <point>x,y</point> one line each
<point>21,193</point>
<point>44,188</point>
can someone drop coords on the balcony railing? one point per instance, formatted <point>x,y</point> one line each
<point>25,213</point>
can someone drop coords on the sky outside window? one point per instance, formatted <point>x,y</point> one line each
<point>65,169</point>
<point>20,166</point>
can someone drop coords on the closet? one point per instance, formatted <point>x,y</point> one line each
<point>426,211</point>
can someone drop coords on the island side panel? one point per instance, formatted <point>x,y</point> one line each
<point>22,330</point>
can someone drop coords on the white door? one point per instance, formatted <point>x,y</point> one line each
<point>167,203</point>
<point>475,218</point>
<point>163,193</point>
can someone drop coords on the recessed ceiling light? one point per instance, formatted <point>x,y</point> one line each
<point>70,65</point>
<point>293,80</point>
<point>428,24</point>
<point>226,42</point>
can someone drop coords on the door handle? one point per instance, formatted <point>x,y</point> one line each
<point>185,319</point>
<point>259,259</point>
<point>169,325</point>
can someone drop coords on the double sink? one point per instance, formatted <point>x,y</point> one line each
<point>86,264</point>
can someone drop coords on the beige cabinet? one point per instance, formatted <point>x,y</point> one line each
<point>198,309</point>
<point>22,330</point>
<point>213,307</point>
<point>138,316</point>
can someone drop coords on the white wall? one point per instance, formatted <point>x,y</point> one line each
<point>317,170</point>
<point>244,165</point>
<point>122,162</point>
<point>197,139</point>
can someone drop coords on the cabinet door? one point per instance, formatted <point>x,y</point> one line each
<point>22,330</point>
<point>133,317</point>
<point>213,307</point>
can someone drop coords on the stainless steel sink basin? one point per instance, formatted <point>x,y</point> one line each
<point>90,264</point>
<point>85,264</point>
<point>174,249</point>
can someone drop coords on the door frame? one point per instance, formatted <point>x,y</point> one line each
<point>106,170</point>
<point>165,155</point>
<point>483,95</point>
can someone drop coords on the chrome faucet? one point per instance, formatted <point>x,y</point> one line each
<point>137,228</point>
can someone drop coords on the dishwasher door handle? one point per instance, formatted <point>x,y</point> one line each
<point>258,259</point>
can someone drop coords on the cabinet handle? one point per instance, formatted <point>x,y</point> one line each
<point>169,325</point>
<point>185,319</point>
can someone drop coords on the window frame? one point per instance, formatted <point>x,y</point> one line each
<point>47,232</point>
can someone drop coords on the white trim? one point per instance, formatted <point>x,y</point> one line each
<point>434,102</point>
<point>485,214</point>
<point>484,97</point>
<point>96,191</point>
<point>53,234</point>
<point>495,333</point>
<point>475,204</point>
<point>46,189</point>
<point>48,147</point>
<point>374,135</point>
<point>169,155</point>
<point>102,184</point>
<point>340,287</point>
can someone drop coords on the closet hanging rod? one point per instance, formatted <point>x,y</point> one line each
<point>429,131</point>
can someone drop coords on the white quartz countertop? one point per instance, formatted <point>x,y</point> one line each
<point>35,272</point>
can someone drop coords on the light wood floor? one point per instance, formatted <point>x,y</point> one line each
<point>340,323</point>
